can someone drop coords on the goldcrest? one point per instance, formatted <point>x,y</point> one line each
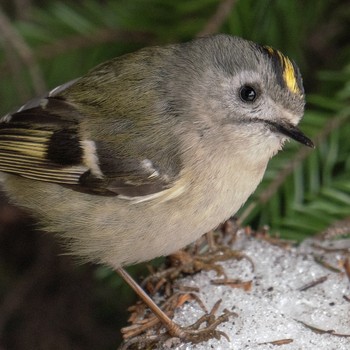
<point>148,151</point>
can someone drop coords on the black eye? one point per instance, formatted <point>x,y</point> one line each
<point>247,93</point>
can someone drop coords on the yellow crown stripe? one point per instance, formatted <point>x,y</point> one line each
<point>289,73</point>
<point>289,76</point>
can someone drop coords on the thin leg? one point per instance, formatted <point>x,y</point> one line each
<point>172,327</point>
<point>192,333</point>
<point>211,241</point>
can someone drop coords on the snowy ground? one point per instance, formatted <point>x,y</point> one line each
<point>275,306</point>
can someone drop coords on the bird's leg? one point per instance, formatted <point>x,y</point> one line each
<point>211,241</point>
<point>191,333</point>
<point>171,326</point>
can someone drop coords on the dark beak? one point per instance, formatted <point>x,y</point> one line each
<point>293,132</point>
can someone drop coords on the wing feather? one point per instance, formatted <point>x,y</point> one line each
<point>25,138</point>
<point>47,140</point>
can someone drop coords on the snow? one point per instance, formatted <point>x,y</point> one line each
<point>275,307</point>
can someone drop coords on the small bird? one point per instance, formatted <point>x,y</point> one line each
<point>148,151</point>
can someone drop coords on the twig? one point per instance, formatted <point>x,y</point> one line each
<point>23,9</point>
<point>278,342</point>
<point>218,19</point>
<point>14,41</point>
<point>319,260</point>
<point>323,331</point>
<point>81,41</point>
<point>13,67</point>
<point>106,35</point>
<point>339,228</point>
<point>313,283</point>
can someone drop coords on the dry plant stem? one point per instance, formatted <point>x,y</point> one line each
<point>82,41</point>
<point>100,36</point>
<point>158,275</point>
<point>338,228</point>
<point>15,41</point>
<point>135,330</point>
<point>171,326</point>
<point>218,19</point>
<point>323,331</point>
<point>23,9</point>
<point>278,342</point>
<point>347,298</point>
<point>313,283</point>
<point>145,339</point>
<point>326,265</point>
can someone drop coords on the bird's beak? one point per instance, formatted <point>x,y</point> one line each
<point>293,132</point>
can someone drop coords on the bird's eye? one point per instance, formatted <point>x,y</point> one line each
<point>247,93</point>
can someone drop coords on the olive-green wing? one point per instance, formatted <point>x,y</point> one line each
<point>43,141</point>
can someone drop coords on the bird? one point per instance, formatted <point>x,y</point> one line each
<point>148,151</point>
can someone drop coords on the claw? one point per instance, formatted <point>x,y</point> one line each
<point>195,335</point>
